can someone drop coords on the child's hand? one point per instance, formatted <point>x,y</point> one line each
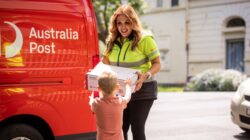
<point>128,82</point>
<point>91,98</point>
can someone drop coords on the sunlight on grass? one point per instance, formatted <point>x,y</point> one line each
<point>170,89</point>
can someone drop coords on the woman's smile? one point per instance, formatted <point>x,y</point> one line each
<point>124,26</point>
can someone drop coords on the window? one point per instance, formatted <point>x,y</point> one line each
<point>235,45</point>
<point>174,3</point>
<point>165,59</point>
<point>159,3</point>
<point>236,22</point>
<point>235,54</point>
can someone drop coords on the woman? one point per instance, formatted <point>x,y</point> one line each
<point>127,47</point>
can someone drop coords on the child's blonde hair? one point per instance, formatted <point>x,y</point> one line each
<point>107,81</point>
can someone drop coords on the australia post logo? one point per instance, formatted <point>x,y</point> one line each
<point>13,48</point>
<point>49,35</point>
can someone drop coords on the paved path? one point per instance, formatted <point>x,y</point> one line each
<point>192,116</point>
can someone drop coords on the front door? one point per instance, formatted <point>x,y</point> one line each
<point>235,54</point>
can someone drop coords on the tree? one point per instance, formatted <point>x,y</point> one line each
<point>104,10</point>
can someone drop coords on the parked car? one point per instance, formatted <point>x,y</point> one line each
<point>46,49</point>
<point>240,106</point>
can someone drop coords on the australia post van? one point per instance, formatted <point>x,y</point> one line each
<point>46,49</point>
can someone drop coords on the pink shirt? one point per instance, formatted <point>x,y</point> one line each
<point>109,112</point>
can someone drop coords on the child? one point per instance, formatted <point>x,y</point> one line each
<point>109,107</point>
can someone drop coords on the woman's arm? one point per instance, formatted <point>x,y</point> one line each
<point>156,66</point>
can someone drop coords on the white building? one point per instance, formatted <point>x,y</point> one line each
<point>194,35</point>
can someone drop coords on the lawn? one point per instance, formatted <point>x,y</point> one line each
<point>170,89</point>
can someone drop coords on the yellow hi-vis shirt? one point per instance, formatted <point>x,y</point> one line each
<point>139,59</point>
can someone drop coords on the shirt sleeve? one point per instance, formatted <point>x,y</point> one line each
<point>150,47</point>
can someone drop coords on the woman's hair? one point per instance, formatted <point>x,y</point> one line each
<point>130,13</point>
<point>107,81</point>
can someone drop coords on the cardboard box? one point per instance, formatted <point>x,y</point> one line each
<point>122,74</point>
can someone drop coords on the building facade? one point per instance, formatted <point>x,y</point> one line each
<point>195,35</point>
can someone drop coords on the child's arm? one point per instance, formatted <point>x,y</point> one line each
<point>128,92</point>
<point>91,100</point>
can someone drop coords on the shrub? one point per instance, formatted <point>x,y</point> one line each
<point>216,80</point>
<point>230,80</point>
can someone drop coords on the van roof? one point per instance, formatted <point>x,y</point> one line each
<point>46,5</point>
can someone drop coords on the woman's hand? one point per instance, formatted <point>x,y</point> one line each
<point>141,78</point>
<point>105,60</point>
<point>156,66</point>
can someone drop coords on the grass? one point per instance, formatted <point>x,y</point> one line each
<point>170,89</point>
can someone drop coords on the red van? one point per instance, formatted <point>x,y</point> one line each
<point>46,48</point>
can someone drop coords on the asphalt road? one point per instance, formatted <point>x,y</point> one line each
<point>192,116</point>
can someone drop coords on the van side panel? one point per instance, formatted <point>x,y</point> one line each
<point>47,47</point>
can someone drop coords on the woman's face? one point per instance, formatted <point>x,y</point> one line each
<point>124,26</point>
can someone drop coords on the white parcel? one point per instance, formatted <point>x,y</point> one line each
<point>122,74</point>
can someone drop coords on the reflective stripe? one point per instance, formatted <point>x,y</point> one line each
<point>130,64</point>
<point>153,53</point>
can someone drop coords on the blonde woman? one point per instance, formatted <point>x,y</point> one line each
<point>126,46</point>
